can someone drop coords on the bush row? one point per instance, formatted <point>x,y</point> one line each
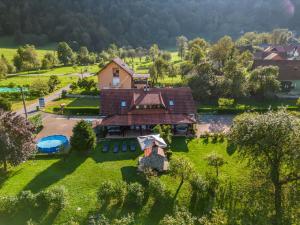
<point>27,203</point>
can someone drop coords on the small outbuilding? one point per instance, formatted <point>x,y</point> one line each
<point>154,154</point>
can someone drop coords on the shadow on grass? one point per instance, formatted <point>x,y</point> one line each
<point>159,210</point>
<point>180,144</point>
<point>99,156</point>
<point>129,175</point>
<point>56,172</point>
<point>4,176</point>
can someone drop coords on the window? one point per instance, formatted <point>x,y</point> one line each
<point>171,102</point>
<point>116,72</point>
<point>123,104</point>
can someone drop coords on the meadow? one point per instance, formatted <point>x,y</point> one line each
<point>82,174</point>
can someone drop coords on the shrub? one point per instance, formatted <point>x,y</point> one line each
<point>84,138</point>
<point>135,195</point>
<point>120,191</point>
<point>74,86</point>
<point>225,102</point>
<point>214,138</point>
<point>39,88</point>
<point>298,102</point>
<point>64,94</point>
<point>157,189</point>
<point>106,192</point>
<point>55,198</point>
<point>27,201</point>
<point>169,154</point>
<point>5,104</point>
<point>37,122</point>
<point>8,206</point>
<point>53,82</point>
<point>198,184</point>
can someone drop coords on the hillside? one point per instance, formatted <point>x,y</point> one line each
<point>96,24</point>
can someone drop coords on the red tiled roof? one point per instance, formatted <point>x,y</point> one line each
<point>144,98</point>
<point>111,100</point>
<point>120,63</point>
<point>147,119</point>
<point>288,69</point>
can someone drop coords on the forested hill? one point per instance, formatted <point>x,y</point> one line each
<point>97,23</point>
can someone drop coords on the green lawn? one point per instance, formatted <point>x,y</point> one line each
<point>9,49</point>
<point>84,103</point>
<point>82,176</point>
<point>249,104</point>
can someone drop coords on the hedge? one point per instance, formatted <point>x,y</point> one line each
<point>79,110</point>
<point>240,110</point>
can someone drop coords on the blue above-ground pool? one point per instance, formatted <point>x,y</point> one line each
<point>52,144</point>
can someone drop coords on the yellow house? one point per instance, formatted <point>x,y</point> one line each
<point>117,74</point>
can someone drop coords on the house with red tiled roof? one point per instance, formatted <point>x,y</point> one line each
<point>289,73</point>
<point>117,74</point>
<point>128,110</point>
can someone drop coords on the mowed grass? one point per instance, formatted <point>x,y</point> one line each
<point>9,48</point>
<point>73,102</point>
<point>82,175</point>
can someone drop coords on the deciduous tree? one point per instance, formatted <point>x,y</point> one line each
<point>270,142</point>
<point>16,139</point>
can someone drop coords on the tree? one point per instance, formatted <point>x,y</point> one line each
<point>65,54</point>
<point>270,142</point>
<point>182,45</point>
<point>49,61</point>
<point>161,67</point>
<point>216,161</point>
<point>203,82</point>
<point>16,139</point>
<point>83,138</point>
<point>166,56</point>
<point>141,52</point>
<point>135,195</point>
<point>3,69</point>
<point>5,105</point>
<point>53,82</point>
<point>181,168</point>
<point>235,82</point>
<point>83,56</point>
<point>131,54</point>
<point>165,132</point>
<point>39,88</point>
<point>222,51</point>
<point>154,52</point>
<point>26,58</point>
<point>157,189</point>
<point>197,50</point>
<point>263,81</point>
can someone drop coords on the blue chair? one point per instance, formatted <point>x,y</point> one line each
<point>116,148</point>
<point>105,147</point>
<point>124,147</point>
<point>132,147</point>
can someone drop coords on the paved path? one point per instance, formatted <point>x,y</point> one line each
<point>31,108</point>
<point>214,123</point>
<point>58,124</point>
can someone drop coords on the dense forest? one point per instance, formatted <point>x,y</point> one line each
<point>97,23</point>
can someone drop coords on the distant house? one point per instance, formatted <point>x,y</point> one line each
<point>139,110</point>
<point>289,72</point>
<point>117,74</point>
<point>279,52</point>
<point>154,158</point>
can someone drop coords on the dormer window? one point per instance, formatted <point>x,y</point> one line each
<point>171,103</point>
<point>123,104</point>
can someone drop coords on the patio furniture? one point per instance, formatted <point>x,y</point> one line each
<point>105,148</point>
<point>124,147</point>
<point>132,147</point>
<point>116,148</point>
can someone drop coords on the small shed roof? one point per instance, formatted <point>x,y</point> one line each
<point>147,141</point>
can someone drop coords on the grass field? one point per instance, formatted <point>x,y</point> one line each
<point>8,48</point>
<point>82,176</point>
<point>86,103</point>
